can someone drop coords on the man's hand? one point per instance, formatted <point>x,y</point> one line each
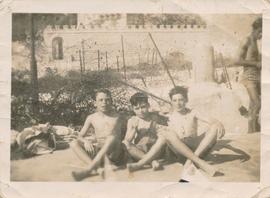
<point>89,147</point>
<point>126,143</point>
<point>220,129</point>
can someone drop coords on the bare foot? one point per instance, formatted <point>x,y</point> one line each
<point>101,172</point>
<point>189,169</point>
<point>191,173</point>
<point>156,165</point>
<point>79,175</point>
<point>209,169</point>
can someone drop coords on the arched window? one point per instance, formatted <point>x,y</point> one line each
<point>57,48</point>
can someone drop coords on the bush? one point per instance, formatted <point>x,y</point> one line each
<point>63,100</point>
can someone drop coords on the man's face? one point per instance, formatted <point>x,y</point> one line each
<point>178,102</point>
<point>141,110</point>
<point>103,102</point>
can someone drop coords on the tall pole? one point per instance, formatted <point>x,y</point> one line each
<point>81,64</point>
<point>139,54</point>
<point>153,54</point>
<point>148,50</point>
<point>123,55</point>
<point>83,56</point>
<point>162,60</point>
<point>225,71</point>
<point>155,57</point>
<point>117,63</point>
<point>98,60</point>
<point>33,68</point>
<point>106,56</point>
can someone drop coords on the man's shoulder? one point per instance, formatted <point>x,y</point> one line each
<point>91,116</point>
<point>175,114</point>
<point>133,120</point>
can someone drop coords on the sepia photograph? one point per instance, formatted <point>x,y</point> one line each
<point>158,97</point>
<point>199,191</point>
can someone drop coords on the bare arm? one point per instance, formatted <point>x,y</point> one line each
<point>131,131</point>
<point>85,128</point>
<point>243,55</point>
<point>87,144</point>
<point>211,122</point>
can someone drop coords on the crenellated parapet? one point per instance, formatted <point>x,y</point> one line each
<point>132,28</point>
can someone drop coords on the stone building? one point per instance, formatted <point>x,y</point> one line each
<point>95,42</point>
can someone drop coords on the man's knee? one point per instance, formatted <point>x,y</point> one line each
<point>212,132</point>
<point>161,139</point>
<point>168,136</point>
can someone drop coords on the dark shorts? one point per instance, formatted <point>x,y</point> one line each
<point>191,142</point>
<point>252,84</point>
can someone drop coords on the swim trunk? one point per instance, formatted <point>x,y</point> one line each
<point>191,142</point>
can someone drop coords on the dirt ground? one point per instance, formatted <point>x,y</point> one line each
<point>237,158</point>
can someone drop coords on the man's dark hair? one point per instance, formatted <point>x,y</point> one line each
<point>138,98</point>
<point>257,23</point>
<point>105,91</point>
<point>179,90</point>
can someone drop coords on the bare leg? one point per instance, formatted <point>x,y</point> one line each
<point>110,143</point>
<point>206,144</point>
<point>80,152</point>
<point>179,147</point>
<point>136,153</point>
<point>149,156</point>
<point>254,106</point>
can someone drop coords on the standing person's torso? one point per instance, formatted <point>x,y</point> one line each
<point>252,54</point>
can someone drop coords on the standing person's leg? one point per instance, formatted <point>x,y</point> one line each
<point>254,105</point>
<point>258,126</point>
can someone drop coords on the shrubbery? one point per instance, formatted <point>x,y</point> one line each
<point>63,100</point>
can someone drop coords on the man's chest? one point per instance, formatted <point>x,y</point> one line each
<point>144,127</point>
<point>183,122</point>
<point>103,125</point>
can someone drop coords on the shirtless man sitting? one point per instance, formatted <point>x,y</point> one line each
<point>104,127</point>
<point>184,122</point>
<point>147,134</point>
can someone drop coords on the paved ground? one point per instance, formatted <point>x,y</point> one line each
<point>236,156</point>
